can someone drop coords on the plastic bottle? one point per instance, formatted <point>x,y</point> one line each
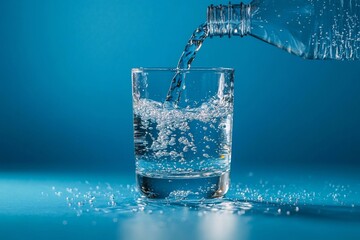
<point>312,29</point>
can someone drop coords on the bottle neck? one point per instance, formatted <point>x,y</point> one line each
<point>230,20</point>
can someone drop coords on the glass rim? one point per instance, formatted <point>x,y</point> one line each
<point>193,69</point>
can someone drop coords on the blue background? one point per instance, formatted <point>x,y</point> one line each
<point>65,88</point>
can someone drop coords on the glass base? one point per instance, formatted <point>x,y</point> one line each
<point>184,188</point>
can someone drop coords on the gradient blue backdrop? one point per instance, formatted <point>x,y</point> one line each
<point>65,87</point>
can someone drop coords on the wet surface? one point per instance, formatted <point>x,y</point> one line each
<point>259,204</point>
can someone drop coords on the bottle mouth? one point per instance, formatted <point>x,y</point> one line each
<point>231,19</point>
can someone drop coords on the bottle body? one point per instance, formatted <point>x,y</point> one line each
<point>312,29</point>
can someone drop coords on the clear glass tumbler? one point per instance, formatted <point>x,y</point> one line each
<point>183,150</point>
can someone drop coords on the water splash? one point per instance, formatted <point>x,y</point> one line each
<point>334,202</point>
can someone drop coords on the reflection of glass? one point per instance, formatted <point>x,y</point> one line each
<point>161,220</point>
<point>183,150</point>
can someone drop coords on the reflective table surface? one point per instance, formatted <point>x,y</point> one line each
<point>267,204</point>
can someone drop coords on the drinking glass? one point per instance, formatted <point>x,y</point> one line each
<point>183,147</point>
